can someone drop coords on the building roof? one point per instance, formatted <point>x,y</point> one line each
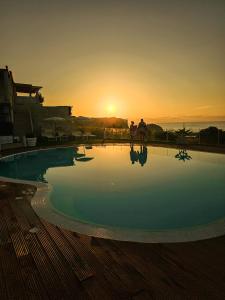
<point>27,88</point>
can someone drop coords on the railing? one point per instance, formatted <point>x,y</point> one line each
<point>154,136</point>
<point>117,133</point>
<point>201,137</point>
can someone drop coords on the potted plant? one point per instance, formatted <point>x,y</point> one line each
<point>31,140</point>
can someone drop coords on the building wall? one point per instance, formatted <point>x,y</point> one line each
<point>30,113</point>
<point>6,102</point>
<point>23,114</point>
<point>27,115</point>
<point>6,87</point>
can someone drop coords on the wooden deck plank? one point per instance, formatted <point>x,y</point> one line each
<point>63,270</point>
<point>61,267</point>
<point>3,241</point>
<point>189,277</point>
<point>111,269</point>
<point>45,270</point>
<point>167,275</point>
<point>48,274</point>
<point>131,281</point>
<point>100,282</point>
<point>202,255</point>
<point>16,206</point>
<point>191,266</point>
<point>10,267</point>
<point>33,285</point>
<point>125,263</point>
<point>80,267</point>
<point>144,295</point>
<point>3,289</point>
<point>12,273</point>
<point>77,263</point>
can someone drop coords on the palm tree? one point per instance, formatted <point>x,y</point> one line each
<point>183,131</point>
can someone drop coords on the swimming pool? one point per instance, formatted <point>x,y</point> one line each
<point>145,194</point>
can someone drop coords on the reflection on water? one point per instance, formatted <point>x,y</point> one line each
<point>139,156</point>
<point>34,165</point>
<point>182,155</point>
<point>82,156</point>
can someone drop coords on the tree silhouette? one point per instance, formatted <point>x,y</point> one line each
<point>183,131</point>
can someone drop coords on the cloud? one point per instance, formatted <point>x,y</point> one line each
<point>203,107</point>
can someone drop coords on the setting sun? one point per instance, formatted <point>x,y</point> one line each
<point>111,109</point>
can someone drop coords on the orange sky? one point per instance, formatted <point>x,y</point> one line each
<point>153,59</point>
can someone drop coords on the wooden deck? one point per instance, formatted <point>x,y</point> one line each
<point>53,263</point>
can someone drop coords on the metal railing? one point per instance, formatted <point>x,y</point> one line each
<point>169,136</point>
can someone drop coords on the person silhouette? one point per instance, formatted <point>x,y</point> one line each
<point>142,130</point>
<point>133,155</point>
<point>143,155</point>
<point>133,131</point>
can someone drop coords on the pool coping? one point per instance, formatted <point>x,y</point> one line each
<point>43,209</point>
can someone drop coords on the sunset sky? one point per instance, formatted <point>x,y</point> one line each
<point>125,58</point>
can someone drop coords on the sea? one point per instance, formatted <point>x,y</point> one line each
<point>194,126</point>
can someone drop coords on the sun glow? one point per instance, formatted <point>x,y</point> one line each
<point>111,108</point>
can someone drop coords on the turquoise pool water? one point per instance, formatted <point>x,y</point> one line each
<point>149,188</point>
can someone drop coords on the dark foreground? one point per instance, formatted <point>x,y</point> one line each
<point>51,263</point>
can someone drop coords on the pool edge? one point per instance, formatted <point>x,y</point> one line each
<point>42,208</point>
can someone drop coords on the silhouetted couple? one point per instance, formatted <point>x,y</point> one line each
<point>139,156</point>
<point>141,130</point>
